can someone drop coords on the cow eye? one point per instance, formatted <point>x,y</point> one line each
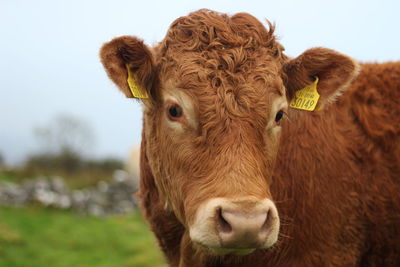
<point>174,112</point>
<point>278,116</point>
<point>276,52</point>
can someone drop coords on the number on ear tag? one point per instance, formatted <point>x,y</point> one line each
<point>306,98</point>
<point>135,88</point>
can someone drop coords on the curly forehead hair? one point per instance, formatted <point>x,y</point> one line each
<point>205,30</point>
<point>233,57</point>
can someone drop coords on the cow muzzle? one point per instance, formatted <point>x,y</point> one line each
<point>235,226</point>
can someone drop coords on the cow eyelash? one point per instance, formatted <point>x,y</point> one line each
<point>286,116</point>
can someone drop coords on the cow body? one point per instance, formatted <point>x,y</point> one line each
<point>215,152</point>
<point>337,184</point>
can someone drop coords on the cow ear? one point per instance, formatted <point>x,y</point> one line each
<point>335,72</point>
<point>129,56</point>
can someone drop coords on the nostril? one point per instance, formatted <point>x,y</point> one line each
<point>267,223</point>
<point>223,225</point>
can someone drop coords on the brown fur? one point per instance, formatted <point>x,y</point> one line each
<point>333,174</point>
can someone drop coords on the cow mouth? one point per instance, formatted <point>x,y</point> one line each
<point>232,251</point>
<point>223,251</point>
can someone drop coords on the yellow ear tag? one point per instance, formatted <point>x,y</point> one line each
<point>306,98</point>
<point>135,88</point>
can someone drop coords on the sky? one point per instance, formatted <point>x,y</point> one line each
<point>49,64</point>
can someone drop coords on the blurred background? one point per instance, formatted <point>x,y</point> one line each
<point>69,138</point>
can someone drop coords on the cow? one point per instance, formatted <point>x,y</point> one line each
<point>252,158</point>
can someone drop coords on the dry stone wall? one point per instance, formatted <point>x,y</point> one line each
<point>116,197</point>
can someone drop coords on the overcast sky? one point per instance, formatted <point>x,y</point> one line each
<point>49,61</point>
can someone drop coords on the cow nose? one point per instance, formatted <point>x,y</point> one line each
<point>237,226</point>
<point>243,229</point>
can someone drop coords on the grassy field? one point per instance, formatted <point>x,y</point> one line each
<point>38,237</point>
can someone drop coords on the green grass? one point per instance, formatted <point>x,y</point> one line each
<point>38,237</point>
<point>8,176</point>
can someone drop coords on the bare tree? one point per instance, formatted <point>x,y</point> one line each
<point>65,134</point>
<point>2,161</point>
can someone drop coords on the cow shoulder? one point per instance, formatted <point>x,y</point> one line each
<point>375,102</point>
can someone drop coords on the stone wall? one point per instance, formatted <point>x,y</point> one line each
<point>116,197</point>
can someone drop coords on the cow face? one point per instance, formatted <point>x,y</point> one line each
<point>218,90</point>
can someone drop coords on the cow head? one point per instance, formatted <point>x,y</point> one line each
<point>218,90</point>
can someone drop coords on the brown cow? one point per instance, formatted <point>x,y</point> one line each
<point>215,188</point>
